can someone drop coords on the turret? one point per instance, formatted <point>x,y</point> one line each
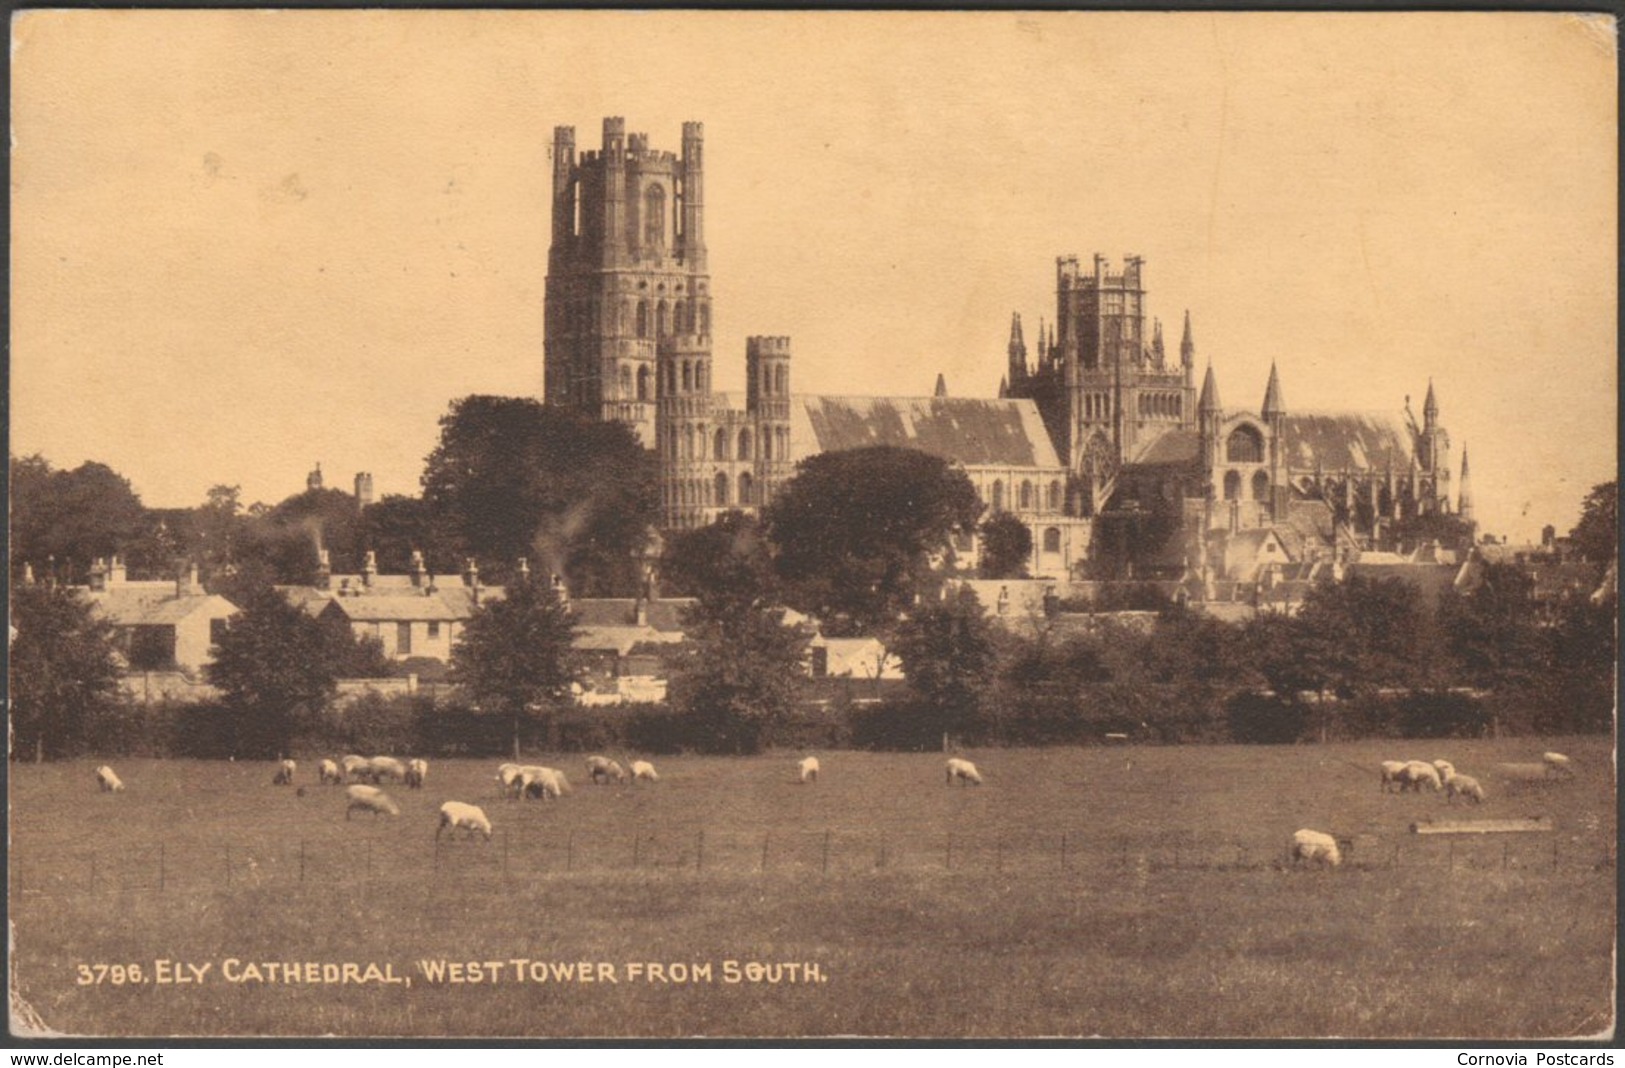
<point>1430,410</point>
<point>1157,354</point>
<point>1464,499</point>
<point>1273,405</point>
<point>564,190</point>
<point>614,161</point>
<point>1187,347</point>
<point>1017,351</point>
<point>942,386</point>
<point>692,245</point>
<point>1209,402</point>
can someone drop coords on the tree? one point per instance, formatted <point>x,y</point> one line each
<point>1492,633</point>
<point>855,531</point>
<point>64,669</point>
<point>397,526</point>
<point>514,478</point>
<point>514,656</point>
<point>739,676</point>
<point>62,521</point>
<point>949,655</point>
<point>1596,536</point>
<point>1007,545</point>
<point>276,665</point>
<point>727,564</point>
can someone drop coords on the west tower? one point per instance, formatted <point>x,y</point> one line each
<point>626,276</point>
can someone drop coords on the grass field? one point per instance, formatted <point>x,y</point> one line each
<point>1125,892</point>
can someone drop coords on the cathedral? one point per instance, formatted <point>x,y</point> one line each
<point>1102,445</point>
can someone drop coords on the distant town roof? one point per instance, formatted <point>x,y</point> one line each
<point>964,430</point>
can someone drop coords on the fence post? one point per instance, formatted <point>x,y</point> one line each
<point>764,851</point>
<point>826,851</point>
<point>570,852</point>
<point>699,851</point>
<point>160,867</point>
<point>1063,851</point>
<point>950,851</point>
<point>637,846</point>
<point>302,860</point>
<point>228,864</point>
<point>93,873</point>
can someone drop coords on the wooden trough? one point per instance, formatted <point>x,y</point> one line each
<point>1513,826</point>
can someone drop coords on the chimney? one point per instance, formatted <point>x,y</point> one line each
<point>471,573</point>
<point>98,575</point>
<point>640,612</point>
<point>28,574</point>
<point>186,584</point>
<point>324,570</point>
<point>560,590</point>
<point>369,569</point>
<point>115,572</point>
<point>418,572</point>
<point>524,569</point>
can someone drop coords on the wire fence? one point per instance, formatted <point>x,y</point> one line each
<point>170,868</point>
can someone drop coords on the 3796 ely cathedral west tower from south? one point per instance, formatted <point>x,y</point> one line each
<point>1104,447</point>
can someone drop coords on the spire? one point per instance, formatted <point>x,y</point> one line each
<point>1210,386</point>
<point>1156,341</point>
<point>1273,405</point>
<point>1018,350</point>
<point>1187,347</point>
<point>1430,407</point>
<point>942,386</point>
<point>1004,388</point>
<point>1464,499</point>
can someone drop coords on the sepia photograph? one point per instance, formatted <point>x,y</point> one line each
<point>793,525</point>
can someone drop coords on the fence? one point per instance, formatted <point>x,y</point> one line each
<point>832,853</point>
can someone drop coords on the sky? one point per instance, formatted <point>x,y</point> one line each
<point>244,242</point>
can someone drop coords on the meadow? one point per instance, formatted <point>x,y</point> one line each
<point>1125,892</point>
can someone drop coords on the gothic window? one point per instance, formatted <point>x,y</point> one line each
<point>767,445</point>
<point>781,383</point>
<point>719,448</point>
<point>662,320</point>
<point>688,376</point>
<point>784,442</point>
<point>1244,446</point>
<point>1261,486</point>
<point>699,376</point>
<point>746,490</point>
<point>1026,496</point>
<point>998,495</point>
<point>643,383</point>
<point>688,442</point>
<point>626,381</point>
<point>643,318</point>
<point>677,317</point>
<point>1055,496</point>
<point>722,489</point>
<point>767,381</point>
<point>1232,485</point>
<point>705,320</point>
<point>744,447</point>
<point>1052,540</point>
<point>654,217</point>
<point>699,442</point>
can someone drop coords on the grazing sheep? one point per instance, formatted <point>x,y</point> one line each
<point>417,769</point>
<point>355,767</point>
<point>1445,769</point>
<point>1557,764</point>
<point>808,769</point>
<point>1315,846</point>
<point>455,814</point>
<point>329,772</point>
<point>383,767</point>
<point>370,799</point>
<point>964,771</point>
<point>1465,785</point>
<point>602,769</point>
<point>1416,773</point>
<point>540,782</point>
<point>509,775</point>
<point>284,773</point>
<point>1392,772</point>
<point>642,769</point>
<point>107,780</point>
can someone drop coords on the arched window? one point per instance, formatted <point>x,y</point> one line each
<point>643,318</point>
<point>1052,540</point>
<point>643,383</point>
<point>722,489</point>
<point>688,442</point>
<point>747,493</point>
<point>1055,496</point>
<point>677,317</point>
<point>626,381</point>
<point>700,441</point>
<point>1244,446</point>
<point>719,448</point>
<point>699,375</point>
<point>654,216</point>
<point>784,442</point>
<point>781,378</point>
<point>998,495</point>
<point>767,445</point>
<point>1261,486</point>
<point>662,319</point>
<point>705,319</point>
<point>688,376</point>
<point>1232,485</point>
<point>625,320</point>
<point>744,447</point>
<point>1026,496</point>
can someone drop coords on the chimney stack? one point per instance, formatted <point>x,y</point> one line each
<point>418,571</point>
<point>369,569</point>
<point>324,570</point>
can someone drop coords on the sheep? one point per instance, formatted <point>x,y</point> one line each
<point>509,775</point>
<point>1557,764</point>
<point>1445,769</point>
<point>964,771</point>
<point>602,769</point>
<point>383,767</point>
<point>1315,846</point>
<point>1465,785</point>
<point>1392,772</point>
<point>417,769</point>
<point>329,771</point>
<point>284,773</point>
<point>642,769</point>
<point>108,780</point>
<point>455,814</point>
<point>1415,773</point>
<point>540,782</point>
<point>355,767</point>
<point>808,769</point>
<point>370,799</point>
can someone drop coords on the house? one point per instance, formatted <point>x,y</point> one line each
<point>160,625</point>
